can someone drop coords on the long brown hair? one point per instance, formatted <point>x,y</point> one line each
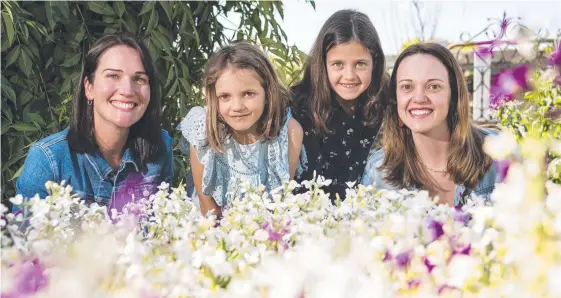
<point>313,93</point>
<point>467,163</point>
<point>243,55</point>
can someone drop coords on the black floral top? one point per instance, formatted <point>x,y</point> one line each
<point>340,155</point>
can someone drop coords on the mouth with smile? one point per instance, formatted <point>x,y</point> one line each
<point>349,85</point>
<point>420,113</point>
<point>239,117</point>
<point>123,105</point>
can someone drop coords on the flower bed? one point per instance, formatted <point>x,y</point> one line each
<point>374,244</point>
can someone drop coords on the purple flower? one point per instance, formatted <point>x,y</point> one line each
<point>30,278</point>
<point>502,169</point>
<point>387,256</point>
<point>460,216</point>
<point>276,236</point>
<point>506,84</point>
<point>428,264</point>
<point>402,260</point>
<point>444,288</point>
<point>484,52</point>
<point>555,58</point>
<point>134,188</point>
<point>435,229</point>
<point>414,283</point>
<point>458,247</point>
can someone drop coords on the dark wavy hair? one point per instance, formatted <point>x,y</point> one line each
<point>145,136</point>
<point>313,93</point>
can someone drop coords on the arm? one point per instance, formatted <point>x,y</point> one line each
<point>295,137</point>
<point>37,170</point>
<point>167,171</point>
<point>207,203</point>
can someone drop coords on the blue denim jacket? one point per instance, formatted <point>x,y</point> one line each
<point>483,189</point>
<point>90,176</point>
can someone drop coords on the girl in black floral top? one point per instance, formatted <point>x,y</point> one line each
<point>336,101</point>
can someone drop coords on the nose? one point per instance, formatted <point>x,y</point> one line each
<point>419,95</point>
<point>126,87</point>
<point>238,104</point>
<point>349,73</point>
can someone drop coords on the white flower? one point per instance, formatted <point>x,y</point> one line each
<point>500,146</point>
<point>17,200</point>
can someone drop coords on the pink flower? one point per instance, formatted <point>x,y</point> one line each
<point>435,229</point>
<point>506,84</point>
<point>30,278</point>
<point>555,58</point>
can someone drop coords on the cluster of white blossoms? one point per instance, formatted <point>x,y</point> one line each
<point>279,244</point>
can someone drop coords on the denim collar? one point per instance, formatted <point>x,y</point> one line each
<point>102,167</point>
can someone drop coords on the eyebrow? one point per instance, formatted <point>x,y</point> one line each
<point>341,60</point>
<point>429,80</point>
<point>118,70</point>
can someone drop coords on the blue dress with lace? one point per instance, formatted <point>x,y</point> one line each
<point>261,163</point>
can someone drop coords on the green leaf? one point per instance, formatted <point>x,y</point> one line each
<point>5,127</point>
<point>25,127</point>
<point>63,8</point>
<point>36,118</point>
<point>100,8</point>
<point>80,34</point>
<point>9,26</point>
<point>18,172</point>
<point>50,13</point>
<point>119,7</point>
<point>162,41</point>
<point>9,92</point>
<point>166,5</point>
<point>173,88</point>
<point>148,6</point>
<point>13,55</point>
<point>153,21</point>
<point>75,59</point>
<point>67,85</point>
<point>24,63</point>
<point>24,97</point>
<point>171,75</point>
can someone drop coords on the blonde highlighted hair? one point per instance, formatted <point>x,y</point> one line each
<point>243,55</point>
<point>467,163</point>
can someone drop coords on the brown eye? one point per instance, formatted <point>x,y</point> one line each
<point>406,87</point>
<point>434,87</point>
<point>141,81</point>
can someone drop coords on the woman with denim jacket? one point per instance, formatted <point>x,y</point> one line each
<point>114,150</point>
<point>428,138</point>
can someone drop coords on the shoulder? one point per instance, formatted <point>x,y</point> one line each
<point>376,157</point>
<point>166,137</point>
<point>54,140</point>
<point>489,130</point>
<point>295,130</point>
<point>53,146</point>
<point>193,126</point>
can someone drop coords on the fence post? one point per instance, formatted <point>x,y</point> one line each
<point>481,85</point>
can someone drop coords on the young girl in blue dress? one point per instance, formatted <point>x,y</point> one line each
<point>245,133</point>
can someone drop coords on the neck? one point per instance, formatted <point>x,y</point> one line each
<point>111,142</point>
<point>347,105</point>
<point>245,138</point>
<point>432,149</point>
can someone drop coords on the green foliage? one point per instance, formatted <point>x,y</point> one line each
<point>536,114</point>
<point>43,45</point>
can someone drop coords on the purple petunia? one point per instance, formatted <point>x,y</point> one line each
<point>30,278</point>
<point>506,84</point>
<point>402,260</point>
<point>435,228</point>
<point>502,169</point>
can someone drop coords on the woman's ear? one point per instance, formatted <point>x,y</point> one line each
<point>88,88</point>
